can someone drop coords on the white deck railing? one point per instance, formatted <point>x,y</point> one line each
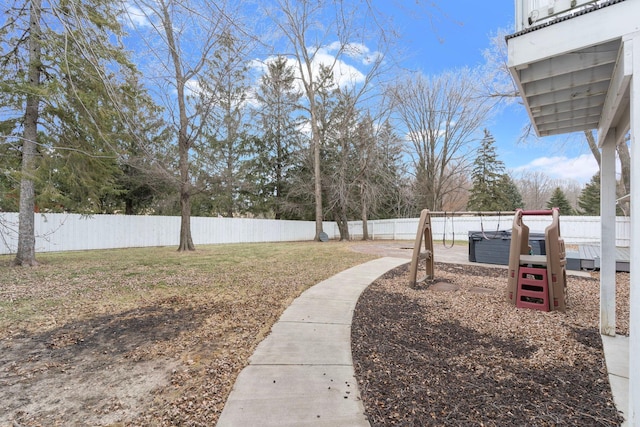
<point>535,12</point>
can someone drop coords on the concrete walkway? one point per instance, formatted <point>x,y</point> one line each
<point>302,373</point>
<point>616,355</point>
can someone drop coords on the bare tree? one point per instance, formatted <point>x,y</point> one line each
<point>324,33</point>
<point>441,116</point>
<point>623,185</point>
<point>571,190</point>
<point>181,35</point>
<point>535,188</point>
<point>593,145</point>
<point>496,78</point>
<point>456,196</point>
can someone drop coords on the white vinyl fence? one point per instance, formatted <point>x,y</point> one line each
<point>69,232</point>
<point>573,229</point>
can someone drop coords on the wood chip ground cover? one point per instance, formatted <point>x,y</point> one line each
<point>142,337</point>
<point>466,357</point>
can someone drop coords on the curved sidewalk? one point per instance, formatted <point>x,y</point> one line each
<point>302,373</point>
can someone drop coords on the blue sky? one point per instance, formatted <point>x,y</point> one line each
<point>440,35</point>
<point>461,30</point>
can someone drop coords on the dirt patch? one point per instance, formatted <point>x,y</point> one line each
<point>443,286</point>
<point>96,367</point>
<point>470,358</point>
<point>144,337</point>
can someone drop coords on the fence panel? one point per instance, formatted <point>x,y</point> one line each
<point>72,232</point>
<point>68,232</point>
<point>574,229</point>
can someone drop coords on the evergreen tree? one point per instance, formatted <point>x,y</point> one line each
<point>301,199</point>
<point>338,121</point>
<point>489,186</point>
<point>512,194</point>
<point>589,200</point>
<point>391,182</point>
<point>62,68</point>
<point>145,181</point>
<point>225,156</point>
<point>280,138</point>
<point>559,200</point>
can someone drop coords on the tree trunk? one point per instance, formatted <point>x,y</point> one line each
<point>625,169</point>
<point>26,254</point>
<point>593,145</point>
<point>343,225</point>
<point>363,213</point>
<point>315,138</point>
<point>128,206</point>
<point>186,242</point>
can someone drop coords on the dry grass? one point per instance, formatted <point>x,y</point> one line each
<point>188,320</point>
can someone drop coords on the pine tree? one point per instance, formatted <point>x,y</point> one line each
<point>589,200</point>
<point>392,183</point>
<point>279,128</point>
<point>488,192</point>
<point>559,200</point>
<point>61,66</point>
<point>224,157</point>
<point>512,194</point>
<point>339,134</point>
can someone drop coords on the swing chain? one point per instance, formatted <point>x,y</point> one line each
<point>444,232</point>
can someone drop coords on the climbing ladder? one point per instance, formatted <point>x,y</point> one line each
<point>533,288</point>
<point>537,281</point>
<point>424,234</point>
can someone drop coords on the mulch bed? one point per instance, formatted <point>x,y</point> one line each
<point>461,355</point>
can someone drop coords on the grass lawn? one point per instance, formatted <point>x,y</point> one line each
<point>200,314</point>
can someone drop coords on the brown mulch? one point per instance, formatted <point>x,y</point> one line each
<point>454,352</point>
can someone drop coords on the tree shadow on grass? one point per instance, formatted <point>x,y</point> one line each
<point>91,371</point>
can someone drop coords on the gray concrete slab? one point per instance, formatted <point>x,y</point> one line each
<point>292,343</point>
<point>616,355</point>
<point>317,310</point>
<point>303,395</point>
<point>302,373</point>
<point>346,290</point>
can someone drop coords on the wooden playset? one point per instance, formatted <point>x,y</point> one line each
<point>537,281</point>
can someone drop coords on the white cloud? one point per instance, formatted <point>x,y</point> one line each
<point>136,16</point>
<point>356,51</point>
<point>193,87</point>
<point>345,74</point>
<point>580,168</point>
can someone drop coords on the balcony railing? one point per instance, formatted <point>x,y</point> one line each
<point>530,13</point>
